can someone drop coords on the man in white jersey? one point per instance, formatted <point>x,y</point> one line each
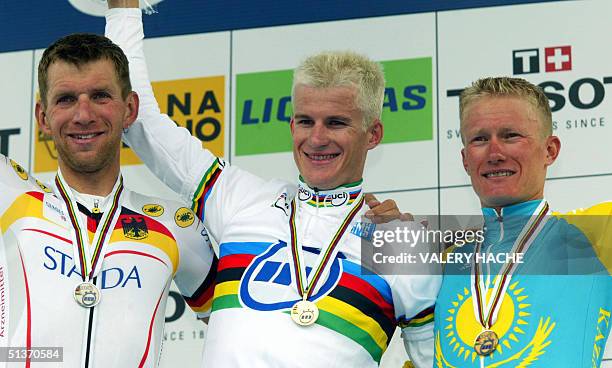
<point>289,288</point>
<point>86,264</point>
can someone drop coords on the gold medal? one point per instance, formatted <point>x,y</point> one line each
<point>486,342</point>
<point>304,313</point>
<point>87,295</point>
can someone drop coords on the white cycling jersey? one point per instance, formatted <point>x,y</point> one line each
<point>151,241</point>
<point>255,288</point>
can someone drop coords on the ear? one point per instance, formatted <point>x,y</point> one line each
<point>464,160</point>
<point>292,126</point>
<point>553,147</point>
<point>41,118</point>
<point>131,111</point>
<point>375,134</point>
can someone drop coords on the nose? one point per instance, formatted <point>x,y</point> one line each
<point>84,113</point>
<point>496,154</point>
<point>319,135</point>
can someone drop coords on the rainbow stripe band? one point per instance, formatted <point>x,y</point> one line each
<point>205,187</point>
<point>307,291</point>
<point>102,232</point>
<point>486,317</point>
<point>359,308</point>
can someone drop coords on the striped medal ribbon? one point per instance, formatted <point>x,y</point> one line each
<point>486,342</point>
<point>305,312</point>
<point>89,264</point>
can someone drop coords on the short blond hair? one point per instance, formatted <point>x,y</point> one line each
<point>509,87</point>
<point>344,69</point>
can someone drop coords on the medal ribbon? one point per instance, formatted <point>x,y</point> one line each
<point>305,293</point>
<point>90,264</point>
<point>488,316</point>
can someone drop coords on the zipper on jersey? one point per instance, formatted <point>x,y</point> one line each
<point>89,333</point>
<point>500,219</point>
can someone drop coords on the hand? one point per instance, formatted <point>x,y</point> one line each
<point>384,212</point>
<point>122,4</point>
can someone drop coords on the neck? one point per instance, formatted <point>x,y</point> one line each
<point>98,183</point>
<point>498,207</point>
<point>347,186</point>
<point>509,206</point>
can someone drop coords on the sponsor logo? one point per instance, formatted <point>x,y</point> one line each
<point>19,170</point>
<point>573,100</point>
<point>336,199</point>
<point>526,61</point>
<point>556,59</point>
<point>303,194</point>
<point>184,217</point>
<point>44,188</point>
<point>134,227</point>
<point>264,107</point>
<point>281,203</point>
<point>267,282</point>
<point>603,325</point>
<point>153,210</point>
<point>364,230</point>
<point>110,278</point>
<point>53,211</point>
<point>196,104</point>
<point>4,139</point>
<point>98,8</point>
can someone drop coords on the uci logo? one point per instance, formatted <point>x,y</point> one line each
<point>268,285</point>
<point>337,199</point>
<point>303,194</point>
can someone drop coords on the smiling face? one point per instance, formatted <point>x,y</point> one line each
<point>506,154</point>
<point>85,114</point>
<point>329,142</point>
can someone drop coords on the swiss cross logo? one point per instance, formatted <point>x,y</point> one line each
<point>558,59</point>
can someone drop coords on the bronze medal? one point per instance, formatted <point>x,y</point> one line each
<point>486,342</point>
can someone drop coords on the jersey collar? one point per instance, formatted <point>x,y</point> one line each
<point>340,197</point>
<point>513,217</point>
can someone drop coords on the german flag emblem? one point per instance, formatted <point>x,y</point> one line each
<point>134,227</point>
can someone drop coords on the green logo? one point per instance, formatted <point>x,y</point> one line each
<point>264,110</point>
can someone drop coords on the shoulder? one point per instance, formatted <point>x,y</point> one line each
<point>16,177</point>
<point>173,214</point>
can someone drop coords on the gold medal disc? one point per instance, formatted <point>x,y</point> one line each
<point>486,343</point>
<point>87,295</point>
<point>304,313</point>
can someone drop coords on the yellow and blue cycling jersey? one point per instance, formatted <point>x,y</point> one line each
<point>556,309</point>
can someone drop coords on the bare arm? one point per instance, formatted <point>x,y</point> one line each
<point>122,4</point>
